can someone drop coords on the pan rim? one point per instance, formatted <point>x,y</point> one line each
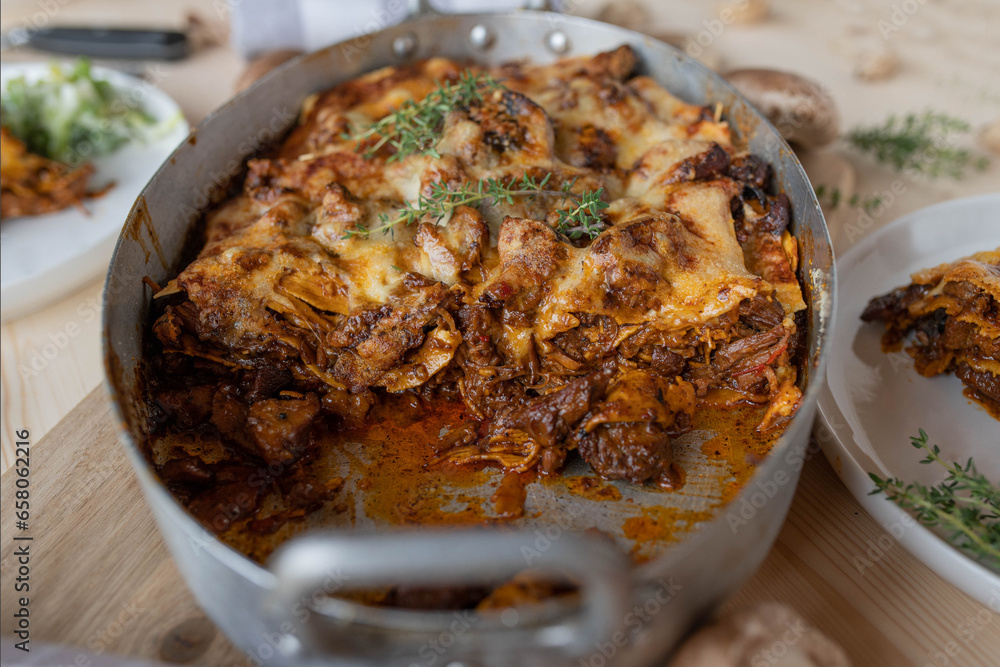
<point>259,572</point>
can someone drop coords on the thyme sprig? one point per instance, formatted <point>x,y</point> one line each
<point>966,504</point>
<point>415,126</point>
<point>920,144</point>
<point>836,198</point>
<point>584,219</point>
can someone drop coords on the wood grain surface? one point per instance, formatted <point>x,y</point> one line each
<point>101,577</point>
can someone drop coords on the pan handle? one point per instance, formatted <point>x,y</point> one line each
<point>417,8</point>
<point>315,626</point>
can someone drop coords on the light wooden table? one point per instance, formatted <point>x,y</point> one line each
<point>950,53</point>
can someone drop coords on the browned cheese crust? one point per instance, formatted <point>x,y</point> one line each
<point>952,312</point>
<point>688,298</point>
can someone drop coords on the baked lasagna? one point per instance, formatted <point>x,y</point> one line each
<point>31,184</point>
<point>307,306</point>
<point>950,314</point>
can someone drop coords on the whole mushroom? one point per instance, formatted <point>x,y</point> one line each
<point>991,136</point>
<point>261,66</point>
<point>744,11</point>
<point>800,109</point>
<point>769,633</point>
<point>876,65</point>
<point>626,13</point>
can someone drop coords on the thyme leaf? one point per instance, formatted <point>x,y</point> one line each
<point>919,143</point>
<point>965,504</point>
<point>583,219</point>
<point>415,126</point>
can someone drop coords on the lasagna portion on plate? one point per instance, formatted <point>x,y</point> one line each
<point>33,184</point>
<point>952,312</point>
<point>298,315</point>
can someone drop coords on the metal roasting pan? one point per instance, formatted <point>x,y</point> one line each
<point>626,614</point>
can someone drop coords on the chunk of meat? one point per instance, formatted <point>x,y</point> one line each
<point>634,451</point>
<point>893,306</point>
<point>761,313</point>
<point>384,335</point>
<point>352,408</point>
<point>985,384</point>
<point>667,363</point>
<point>711,164</point>
<point>280,427</point>
<point>549,419</point>
<point>235,496</point>
<point>587,147</point>
<point>190,406</point>
<point>187,470</point>
<point>775,220</point>
<point>630,258</point>
<point>750,169</point>
<point>229,415</point>
<point>740,356</point>
<point>264,381</point>
<point>530,254</point>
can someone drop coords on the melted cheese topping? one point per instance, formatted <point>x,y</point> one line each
<point>669,258</point>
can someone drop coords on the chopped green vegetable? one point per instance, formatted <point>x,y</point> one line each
<point>70,116</point>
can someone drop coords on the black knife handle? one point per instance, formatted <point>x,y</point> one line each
<point>111,43</point>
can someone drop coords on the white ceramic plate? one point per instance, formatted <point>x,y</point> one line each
<point>873,402</point>
<point>48,256</point>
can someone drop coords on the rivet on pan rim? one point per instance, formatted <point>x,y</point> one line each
<point>557,41</point>
<point>481,36</point>
<point>405,45</point>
